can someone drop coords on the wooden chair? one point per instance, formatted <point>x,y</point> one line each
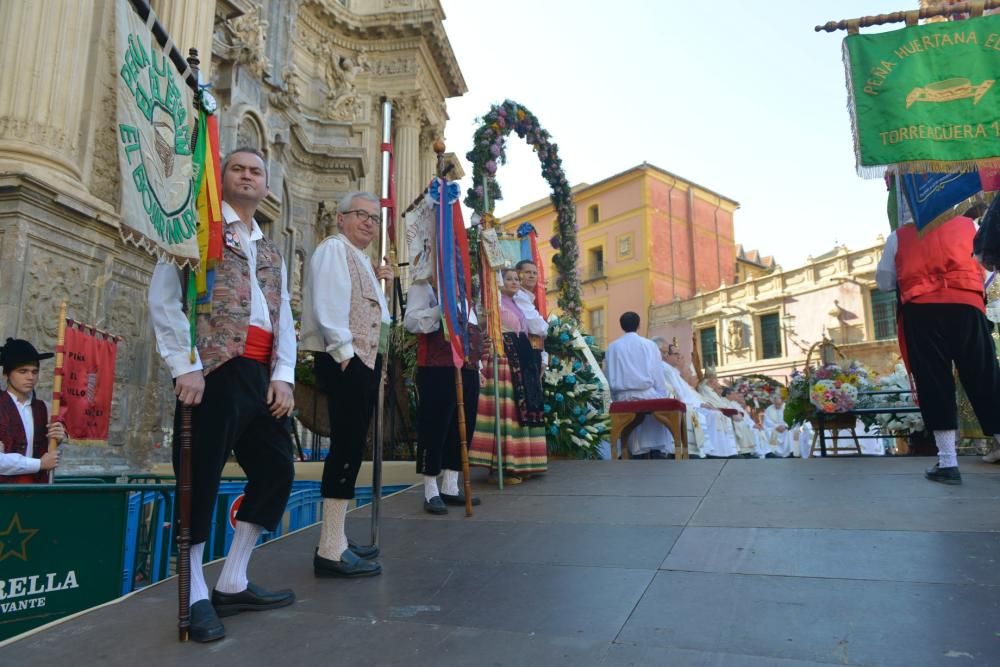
<point>627,415</point>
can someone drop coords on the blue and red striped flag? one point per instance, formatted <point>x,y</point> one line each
<point>453,272</point>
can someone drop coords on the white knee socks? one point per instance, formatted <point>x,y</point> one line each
<point>234,572</point>
<point>430,487</point>
<point>332,538</point>
<point>199,589</point>
<point>945,441</point>
<point>449,482</point>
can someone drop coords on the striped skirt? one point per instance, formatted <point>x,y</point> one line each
<point>523,446</point>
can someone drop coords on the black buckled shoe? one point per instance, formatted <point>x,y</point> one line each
<point>366,551</point>
<point>458,499</point>
<point>254,598</point>
<point>944,475</point>
<point>435,506</point>
<point>205,623</point>
<point>349,565</point>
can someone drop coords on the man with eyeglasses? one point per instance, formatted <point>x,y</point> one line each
<point>345,322</point>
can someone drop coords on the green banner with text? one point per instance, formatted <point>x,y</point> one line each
<point>60,552</point>
<point>926,97</point>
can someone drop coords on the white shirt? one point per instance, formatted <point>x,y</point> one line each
<point>170,324</point>
<point>326,309</point>
<point>680,388</point>
<point>423,311</point>
<point>18,464</point>
<point>885,272</point>
<point>534,322</point>
<point>633,364</point>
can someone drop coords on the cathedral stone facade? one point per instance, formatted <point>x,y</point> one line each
<point>304,81</point>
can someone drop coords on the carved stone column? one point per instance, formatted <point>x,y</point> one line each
<point>409,175</point>
<point>190,25</point>
<point>45,51</point>
<point>428,158</point>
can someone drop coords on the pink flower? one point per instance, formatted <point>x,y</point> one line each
<point>491,167</point>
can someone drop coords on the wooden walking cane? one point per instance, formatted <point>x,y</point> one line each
<point>57,378</point>
<point>184,474</point>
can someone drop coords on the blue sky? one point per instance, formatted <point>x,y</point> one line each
<point>741,97</point>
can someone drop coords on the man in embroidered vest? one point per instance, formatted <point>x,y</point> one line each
<point>943,323</point>
<point>239,381</point>
<point>25,428</point>
<point>439,451</point>
<point>345,321</point>
<point>538,328</point>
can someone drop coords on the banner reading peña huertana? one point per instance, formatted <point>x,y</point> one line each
<point>154,126</point>
<point>926,97</point>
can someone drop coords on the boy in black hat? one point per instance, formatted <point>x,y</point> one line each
<point>25,428</point>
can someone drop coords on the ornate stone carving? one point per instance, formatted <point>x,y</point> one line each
<point>298,270</point>
<point>428,135</point>
<point>391,66</point>
<point>106,178</point>
<point>247,35</point>
<point>326,218</point>
<point>57,279</point>
<point>342,99</point>
<point>248,134</point>
<point>409,110</point>
<point>734,333</point>
<point>290,97</point>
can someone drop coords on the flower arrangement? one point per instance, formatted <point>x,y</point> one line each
<point>902,424</point>
<point>833,395</point>
<point>576,417</point>
<point>830,388</point>
<point>489,151</point>
<point>758,390</point>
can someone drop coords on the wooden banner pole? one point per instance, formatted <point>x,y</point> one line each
<point>973,8</point>
<point>57,380</point>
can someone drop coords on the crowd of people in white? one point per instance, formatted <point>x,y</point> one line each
<point>719,424</point>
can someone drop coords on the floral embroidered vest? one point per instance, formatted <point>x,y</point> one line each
<point>15,440</point>
<point>366,312</point>
<point>222,334</point>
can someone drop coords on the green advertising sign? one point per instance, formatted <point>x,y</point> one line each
<point>926,97</point>
<point>60,552</point>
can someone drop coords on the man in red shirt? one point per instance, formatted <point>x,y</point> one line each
<point>943,317</point>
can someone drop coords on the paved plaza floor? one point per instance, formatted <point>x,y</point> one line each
<point>723,563</point>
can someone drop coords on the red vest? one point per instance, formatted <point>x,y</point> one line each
<point>433,350</point>
<point>15,440</point>
<point>938,267</point>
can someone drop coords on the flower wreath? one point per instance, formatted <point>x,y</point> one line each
<point>489,152</point>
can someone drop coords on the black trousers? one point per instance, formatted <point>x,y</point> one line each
<point>234,417</point>
<point>438,445</point>
<point>352,394</point>
<point>938,335</point>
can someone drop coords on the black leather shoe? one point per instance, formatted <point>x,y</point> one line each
<point>436,506</point>
<point>205,623</point>
<point>349,565</point>
<point>254,598</point>
<point>366,551</point>
<point>458,499</point>
<point>944,475</point>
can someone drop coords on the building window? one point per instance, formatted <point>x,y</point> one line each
<point>595,263</point>
<point>709,349</point>
<point>595,322</point>
<point>884,314</point>
<point>594,214</point>
<point>770,336</point>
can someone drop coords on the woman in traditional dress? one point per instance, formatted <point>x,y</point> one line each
<point>519,379</point>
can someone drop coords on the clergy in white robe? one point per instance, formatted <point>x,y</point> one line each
<point>757,435</point>
<point>779,436</point>
<point>706,426</point>
<point>711,391</point>
<point>632,365</point>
